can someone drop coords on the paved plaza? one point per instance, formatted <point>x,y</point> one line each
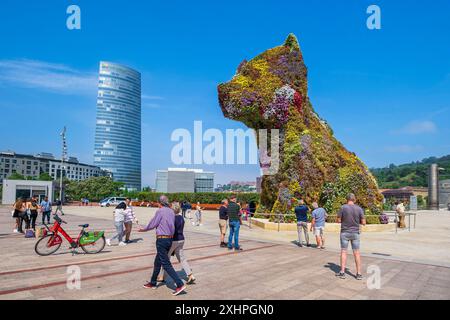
<point>413,265</point>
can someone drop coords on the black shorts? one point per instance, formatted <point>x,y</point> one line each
<point>17,213</point>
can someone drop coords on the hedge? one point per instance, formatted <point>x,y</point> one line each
<point>370,219</point>
<point>202,197</point>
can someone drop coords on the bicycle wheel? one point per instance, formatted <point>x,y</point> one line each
<point>95,247</point>
<point>43,247</point>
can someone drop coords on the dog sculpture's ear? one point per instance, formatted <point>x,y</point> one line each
<point>292,42</point>
<point>241,65</point>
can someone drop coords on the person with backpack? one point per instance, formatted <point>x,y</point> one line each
<point>46,209</point>
<point>119,218</point>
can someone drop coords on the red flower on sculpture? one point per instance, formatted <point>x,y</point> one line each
<point>298,101</point>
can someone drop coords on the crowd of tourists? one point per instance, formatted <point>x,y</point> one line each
<point>25,213</point>
<point>169,222</point>
<point>350,216</point>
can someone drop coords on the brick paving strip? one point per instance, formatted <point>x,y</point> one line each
<point>99,260</point>
<point>103,275</point>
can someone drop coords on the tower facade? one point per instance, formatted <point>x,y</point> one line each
<point>118,124</point>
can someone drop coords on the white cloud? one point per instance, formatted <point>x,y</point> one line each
<point>151,105</point>
<point>150,97</point>
<point>48,76</point>
<point>417,127</point>
<point>404,148</point>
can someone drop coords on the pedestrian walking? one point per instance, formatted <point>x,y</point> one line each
<point>319,216</point>
<point>119,217</point>
<point>164,223</point>
<point>183,208</point>
<point>198,214</point>
<point>129,219</point>
<point>59,207</point>
<point>46,210</point>
<point>223,219</point>
<point>301,212</point>
<point>234,222</point>
<point>188,210</point>
<point>177,246</point>
<point>350,216</point>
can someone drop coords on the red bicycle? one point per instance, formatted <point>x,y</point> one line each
<point>91,242</point>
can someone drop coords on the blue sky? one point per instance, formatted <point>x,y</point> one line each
<point>386,93</point>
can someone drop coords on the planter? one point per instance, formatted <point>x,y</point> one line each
<point>329,227</point>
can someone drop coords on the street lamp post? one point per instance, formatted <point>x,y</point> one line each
<point>63,158</point>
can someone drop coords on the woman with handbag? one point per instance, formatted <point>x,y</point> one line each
<point>19,210</point>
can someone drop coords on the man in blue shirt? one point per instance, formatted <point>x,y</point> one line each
<point>46,209</point>
<point>318,224</point>
<point>301,211</point>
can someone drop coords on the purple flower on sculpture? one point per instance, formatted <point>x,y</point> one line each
<point>278,110</point>
<point>248,98</point>
<point>231,109</point>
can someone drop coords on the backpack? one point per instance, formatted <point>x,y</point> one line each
<point>29,233</point>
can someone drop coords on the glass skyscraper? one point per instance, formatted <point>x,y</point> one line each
<point>118,127</point>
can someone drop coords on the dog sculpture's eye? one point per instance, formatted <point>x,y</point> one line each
<point>249,71</point>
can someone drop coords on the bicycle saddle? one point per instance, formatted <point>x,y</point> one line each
<point>84,225</point>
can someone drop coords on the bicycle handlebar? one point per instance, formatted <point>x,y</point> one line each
<point>58,219</point>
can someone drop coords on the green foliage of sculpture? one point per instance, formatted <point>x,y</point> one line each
<point>271,92</point>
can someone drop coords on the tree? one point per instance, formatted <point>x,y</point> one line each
<point>16,176</point>
<point>45,177</point>
<point>94,189</point>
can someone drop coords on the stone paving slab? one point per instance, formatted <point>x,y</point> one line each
<point>264,270</point>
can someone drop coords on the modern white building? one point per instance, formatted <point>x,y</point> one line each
<point>33,166</point>
<point>175,180</point>
<point>14,189</point>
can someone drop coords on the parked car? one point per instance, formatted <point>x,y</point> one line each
<point>448,206</point>
<point>112,201</point>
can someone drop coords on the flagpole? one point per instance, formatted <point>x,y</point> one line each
<point>64,153</point>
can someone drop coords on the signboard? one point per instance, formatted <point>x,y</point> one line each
<point>413,203</point>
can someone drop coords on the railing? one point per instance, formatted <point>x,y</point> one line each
<point>393,217</point>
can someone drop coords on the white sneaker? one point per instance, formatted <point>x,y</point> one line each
<point>122,243</point>
<point>108,242</point>
<point>15,231</point>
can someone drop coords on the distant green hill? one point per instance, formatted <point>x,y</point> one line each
<point>414,174</point>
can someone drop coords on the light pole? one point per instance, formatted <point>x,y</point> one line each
<point>63,158</point>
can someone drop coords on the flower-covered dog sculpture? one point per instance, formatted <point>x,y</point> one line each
<point>271,92</point>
